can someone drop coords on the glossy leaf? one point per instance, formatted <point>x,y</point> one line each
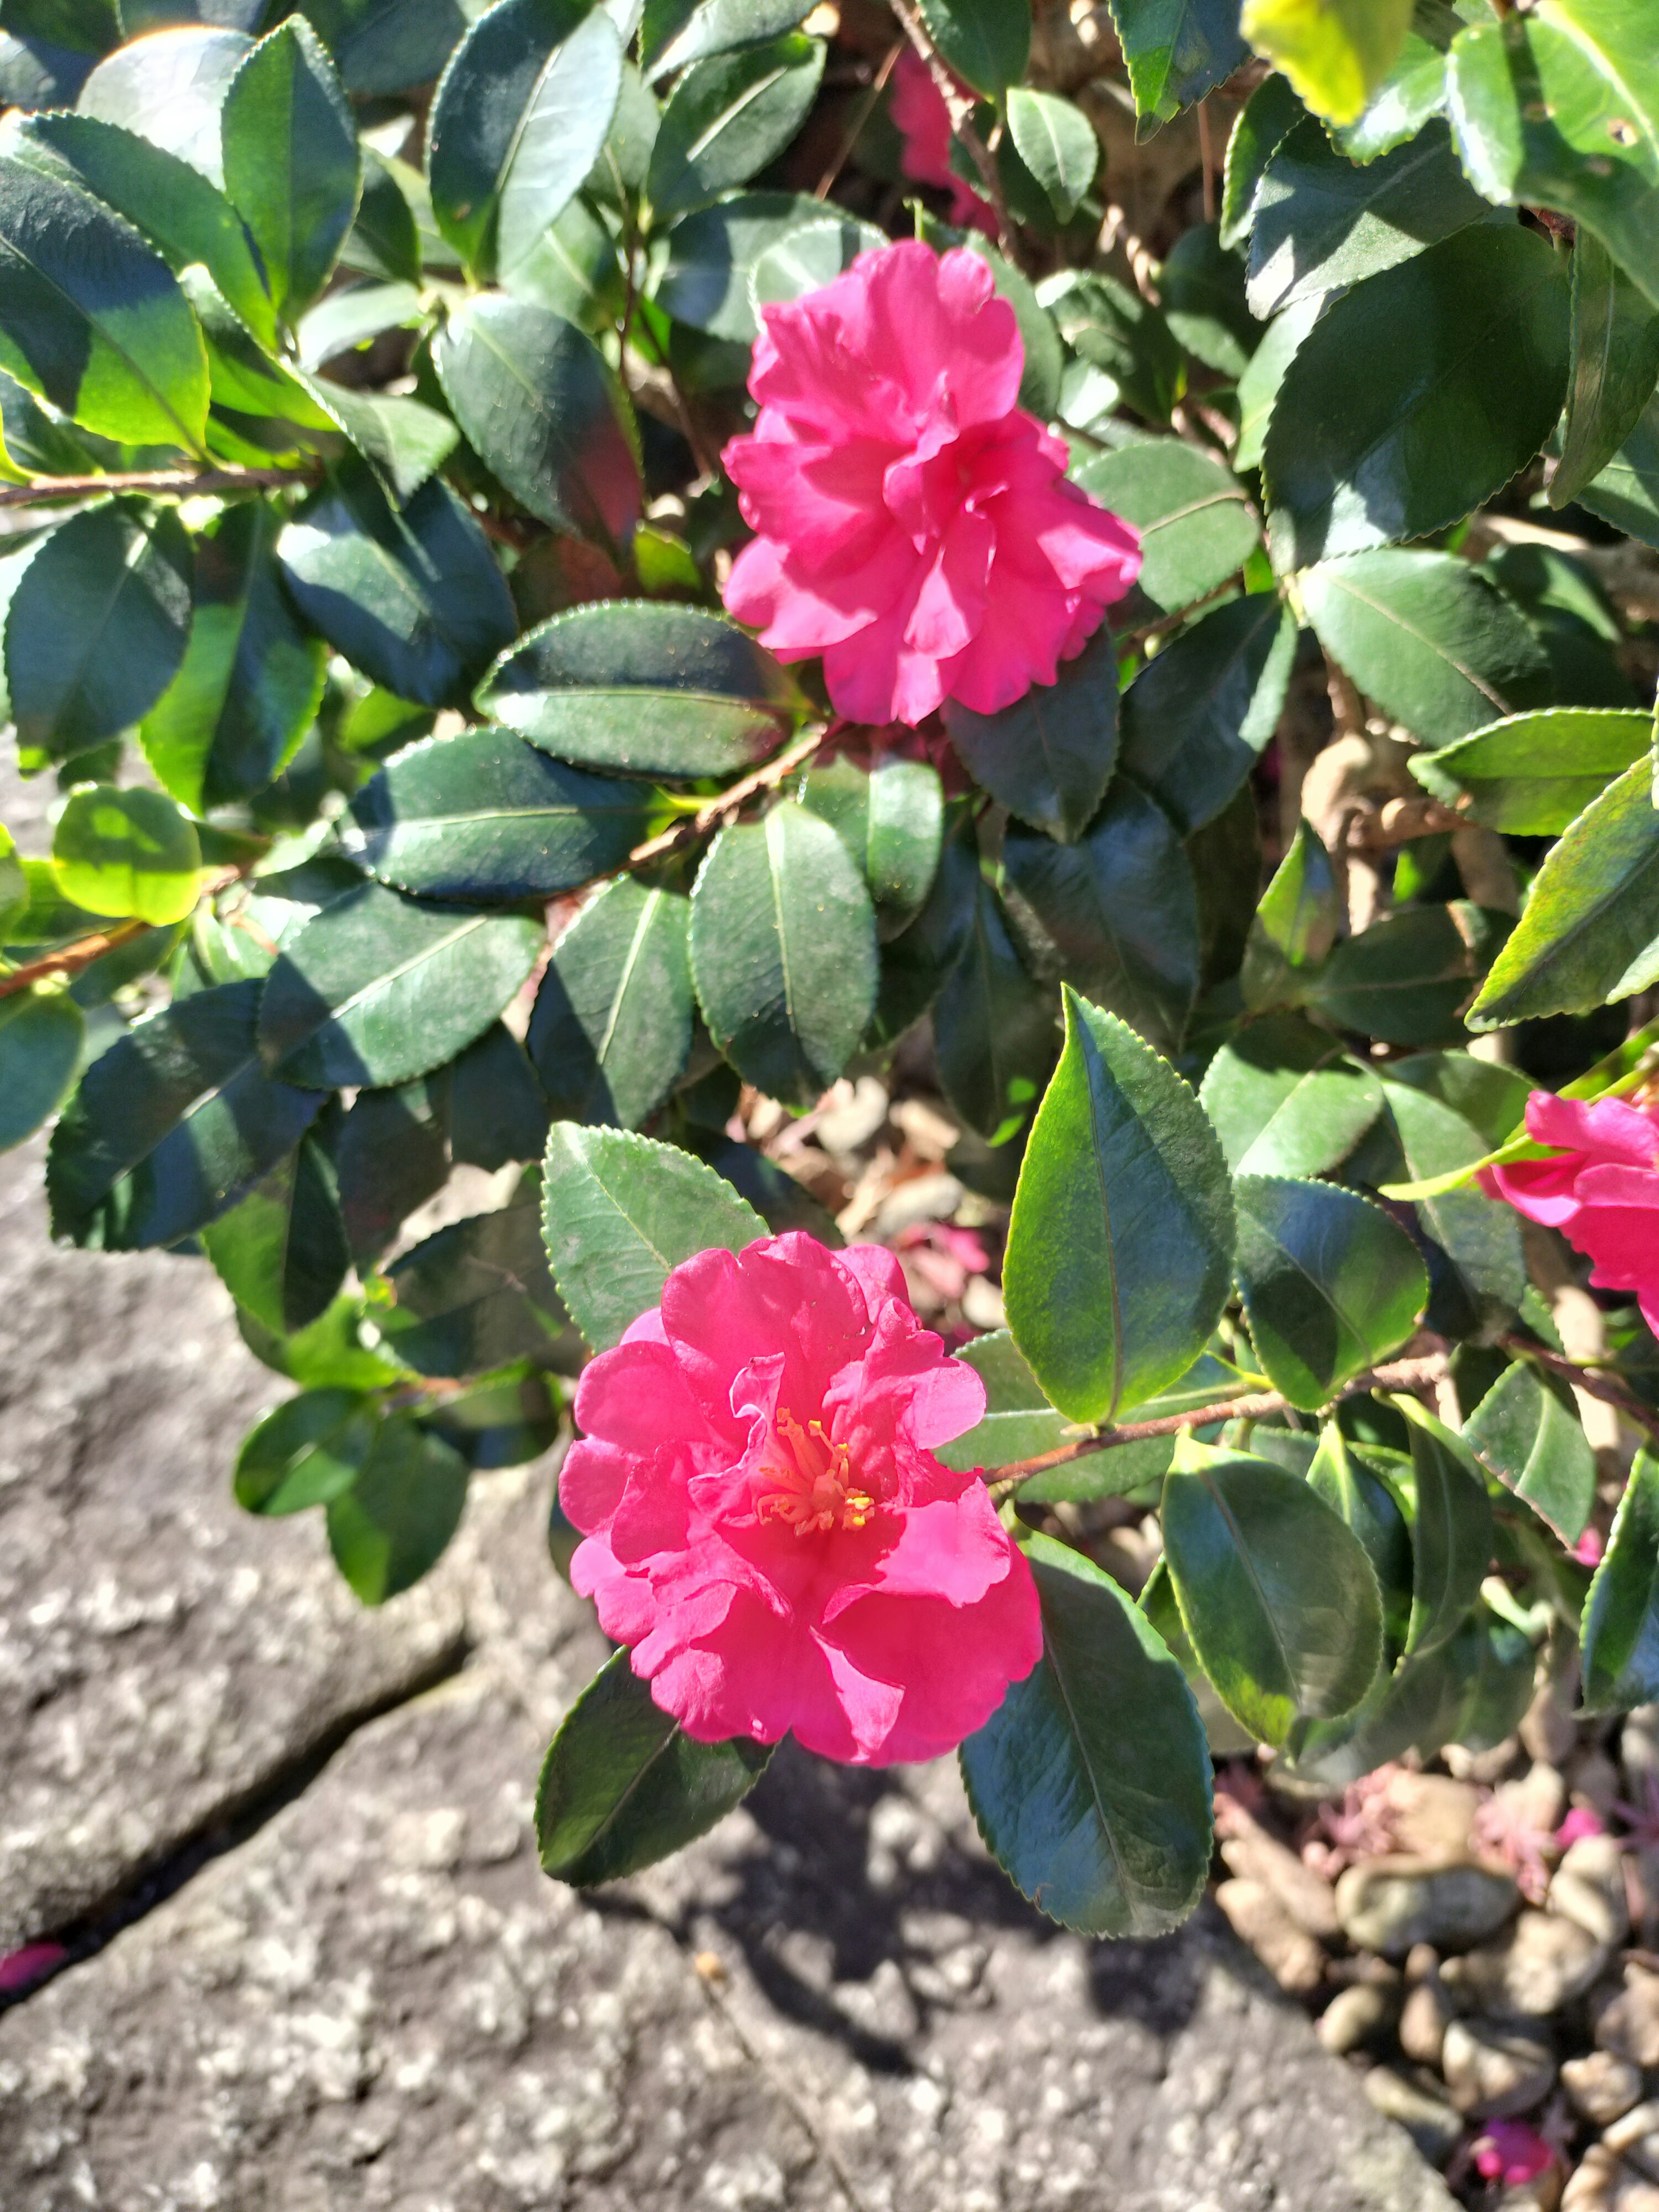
<point>613,1018</point>
<point>1331,1285</point>
<point>1409,978</point>
<point>1264,372</point>
<point>1202,286</point>
<point>282,1252</point>
<point>1197,717</point>
<point>1049,757</point>
<point>917,963</point>
<point>1626,493</point>
<point>542,408</point>
<point>986,42</point>
<point>644,688</point>
<point>485,816</point>
<point>504,1419</point>
<point>1478,1238</point>
<point>1110,325</point>
<point>394,1523</point>
<point>783,952</point>
<point>619,1213</point>
<point>1429,637</point>
<point>252,678</point>
<point>1532,775</point>
<point>1176,51</point>
<point>1196,524</point>
<point>1352,1485</point>
<point>1620,1629</point>
<point>1615,364</point>
<point>293,170</point>
<point>705,283</point>
<point>1413,90</point>
<point>1335,52</point>
<point>674,33</point>
<point>477,1293</point>
<point>1120,1251</point>
<point>41,1036</point>
<point>1286,1101</point>
<point>171,1126</point>
<point>1090,1783</point>
<point>890,817</point>
<point>1260,129</point>
<point>378,988</point>
<point>623,1786</point>
<point>1295,925</point>
<point>127,852</point>
<point>1057,144</point>
<point>1527,1431</point>
<point>1461,352</point>
<point>813,255</point>
<point>1020,1423</point>
<point>305,1451</point>
<point>1276,1592</point>
<point>1451,1528</point>
<point>391,1156</point>
<point>170,87</point>
<point>386,46</point>
<point>727,118</point>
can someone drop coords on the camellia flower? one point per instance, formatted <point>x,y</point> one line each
<point>1602,1191</point>
<point>914,526</point>
<point>766,1523</point>
<point>923,121</point>
<point>1510,2152</point>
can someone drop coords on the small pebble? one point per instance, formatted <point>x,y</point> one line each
<point>1627,2024</point>
<point>1601,2087</point>
<point>1588,1887</point>
<point>1493,2071</point>
<point>1432,2125</point>
<point>1635,2136</point>
<point>1423,2021</point>
<point>1357,2015</point>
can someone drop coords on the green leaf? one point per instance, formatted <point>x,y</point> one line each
<point>496,1111</point>
<point>127,852</point>
<point>729,117</point>
<point>1490,1098</point>
<point>1115,915</point>
<point>1615,363</point>
<point>1258,388</point>
<point>282,1252</point>
<point>1480,1236</point>
<point>410,596</point>
<point>293,171</point>
<point>1461,351</point>
<point>504,1419</point>
<point>705,283</point>
<point>1176,51</point>
<point>518,119</point>
<point>1472,1689</point>
<point>993,1027</point>
<point>1331,1285</point>
<point>1111,325</point>
<point>403,442</point>
<point>1286,1100</point>
<point>329,1355</point>
<point>1413,90</point>
<point>1451,1528</point>
<point>1057,144</point>
<point>41,1036</point>
<point>384,240</point>
<point>391,1156</point>
<point>1626,493</point>
<point>485,815</point>
<point>394,1523</point>
<point>378,988</point>
<point>815,254</point>
<point>544,411</point>
<point>14,886</point>
<point>620,1213</point>
<point>623,1786</point>
<point>1589,935</point>
<point>1049,757</point>
<point>1323,222</point>
<point>1429,638</point>
<point>1620,1629</point>
<point>1527,1431</point>
<point>1335,52</point>
<point>1358,1493</point>
<point>783,952</point>
<point>1276,1592</point>
<point>387,45</point>
<point>479,1293</point>
<point>612,1025</point>
<point>169,86</point>
<point>1090,1783</point>
<point>1558,108</point>
<point>1532,775</point>
<point>986,42</point>
<point>251,679</point>
<point>890,817</point>
<point>1295,925</point>
<point>305,1452</point>
<point>1020,1423</point>
<point>916,964</point>
<point>1260,129</point>
<point>1196,524</point>
<point>1197,717</point>
<point>1409,978</point>
<point>1120,1251</point>
<point>171,1126</point>
<point>644,688</point>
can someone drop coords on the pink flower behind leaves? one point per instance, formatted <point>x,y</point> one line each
<point>914,526</point>
<point>766,1523</point>
<point>1602,1191</point>
<point>1510,2152</point>
<point>923,121</point>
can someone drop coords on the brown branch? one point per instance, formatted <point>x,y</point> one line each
<point>862,109</point>
<point>1591,1380</point>
<point>724,804</point>
<point>85,950</point>
<point>180,483</point>
<point>960,108</point>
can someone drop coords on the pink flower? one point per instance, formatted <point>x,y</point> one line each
<point>20,1970</point>
<point>1590,1549</point>
<point>767,1525</point>
<point>1602,1191</point>
<point>1580,1822</point>
<point>1510,2152</point>
<point>923,121</point>
<point>914,526</point>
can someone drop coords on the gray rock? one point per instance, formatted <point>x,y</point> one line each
<point>1357,2015</point>
<point>1635,2137</point>
<point>1588,1886</point>
<point>1601,2087</point>
<point>1423,2021</point>
<point>1386,1905</point>
<point>1494,2072</point>
<point>1258,1915</point>
<point>1602,2184</point>
<point>1543,1963</point>
<point>1627,2021</point>
<point>1431,2124</point>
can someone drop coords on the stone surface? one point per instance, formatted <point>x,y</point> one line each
<point>1430,2121</point>
<point>1251,1853</point>
<point>1494,2072</point>
<point>1603,2183</point>
<point>1386,1905</point>
<point>1628,2021</point>
<point>1432,1815</point>
<point>1635,2137</point>
<point>1543,1963</point>
<point>1256,1913</point>
<point>1357,2015</point>
<point>1423,2021</point>
<point>1599,2086</point>
<point>1588,1886</point>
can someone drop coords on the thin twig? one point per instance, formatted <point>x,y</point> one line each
<point>1592,1380</point>
<point>960,109</point>
<point>182,483</point>
<point>861,112</point>
<point>1206,156</point>
<point>72,958</point>
<point>719,809</point>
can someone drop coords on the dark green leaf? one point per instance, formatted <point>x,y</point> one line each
<point>403,442</point>
<point>1120,1251</point>
<point>623,1786</point>
<point>292,167</point>
<point>1331,1285</point>
<point>1276,1592</point>
<point>1480,1236</point>
<point>890,817</point>
<point>496,1111</point>
<point>127,852</point>
<point>1490,1098</point>
<point>413,597</point>
<point>1481,1678</point>
<point>1202,286</point>
<point>282,1252</point>
<point>815,254</point>
<point>391,1157</point>
<point>988,42</point>
<point>543,409</point>
<point>916,964</point>
<point>1620,1629</point>
<point>504,1419</point>
<point>711,254</point>
<point>306,1451</point>
<point>329,1355</point>
<point>1358,1493</point>
<point>1286,1101</point>
<point>518,121</point>
<point>1090,1783</point>
<point>781,1202</point>
<point>378,988</point>
<point>1626,493</point>
<point>1116,915</point>
<point>727,118</point>
<point>1020,1423</point>
<point>1615,362</point>
<point>1258,388</point>
<point>385,239</point>
<point>1176,51</point>
<point>171,1126</point>
<point>1451,1528</point>
<point>1198,715</point>
<point>251,679</point>
<point>1196,526</point>
<point>170,87</point>
<point>479,1293</point>
<point>1590,931</point>
<point>1111,325</point>
<point>1526,1431</point>
<point>1429,638</point>
<point>1049,757</point>
<point>612,1025</point>
<point>384,45</point>
<point>642,687</point>
<point>1414,88</point>
<point>1057,144</point>
<point>783,952</point>
<point>1533,775</point>
<point>483,815</point>
<point>1407,978</point>
<point>41,1036</point>
<point>619,1213</point>
<point>394,1523</point>
<point>1263,123</point>
<point>993,1027</point>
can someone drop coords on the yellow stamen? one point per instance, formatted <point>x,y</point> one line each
<point>811,1481</point>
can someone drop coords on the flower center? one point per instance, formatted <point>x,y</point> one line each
<point>810,1481</point>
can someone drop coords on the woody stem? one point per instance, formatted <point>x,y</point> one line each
<point>960,108</point>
